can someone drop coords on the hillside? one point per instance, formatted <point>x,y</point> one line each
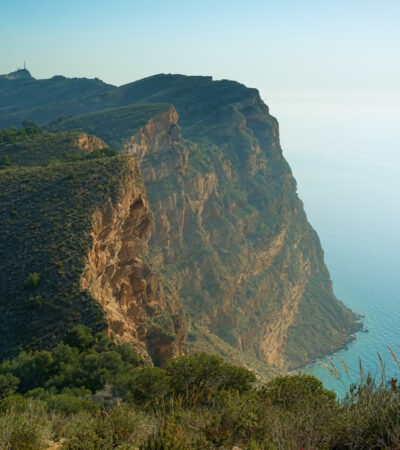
<point>231,239</point>
<point>25,98</point>
<point>53,220</point>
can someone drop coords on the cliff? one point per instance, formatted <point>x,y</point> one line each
<point>132,296</point>
<point>74,249</point>
<point>230,245</point>
<point>228,223</point>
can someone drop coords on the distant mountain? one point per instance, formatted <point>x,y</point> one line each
<point>232,261</point>
<point>25,98</point>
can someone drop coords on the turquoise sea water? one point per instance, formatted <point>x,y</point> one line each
<point>345,157</point>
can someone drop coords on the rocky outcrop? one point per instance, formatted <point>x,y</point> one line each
<point>90,143</point>
<point>132,295</point>
<point>158,133</point>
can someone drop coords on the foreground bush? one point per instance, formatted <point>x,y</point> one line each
<point>207,374</point>
<point>121,427</point>
<point>23,430</point>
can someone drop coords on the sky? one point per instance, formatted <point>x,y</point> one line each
<point>300,48</point>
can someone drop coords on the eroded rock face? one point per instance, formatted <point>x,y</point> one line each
<point>228,222</point>
<point>89,143</point>
<point>132,296</point>
<point>159,132</point>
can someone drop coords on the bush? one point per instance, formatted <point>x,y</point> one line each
<point>83,362</point>
<point>31,368</point>
<point>121,427</point>
<point>291,390</point>
<point>172,435</point>
<point>144,385</point>
<point>205,373</point>
<point>67,404</point>
<point>5,162</point>
<point>32,281</point>
<point>79,336</point>
<point>86,432</point>
<point>16,402</point>
<point>8,385</point>
<point>128,354</point>
<point>28,430</point>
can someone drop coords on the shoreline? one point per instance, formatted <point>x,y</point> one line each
<point>360,328</point>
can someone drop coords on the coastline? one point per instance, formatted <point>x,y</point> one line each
<point>359,328</point>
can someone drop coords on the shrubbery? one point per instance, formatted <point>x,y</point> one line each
<point>13,135</point>
<point>207,374</point>
<point>90,393</point>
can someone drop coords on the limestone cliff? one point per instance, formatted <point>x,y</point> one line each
<point>158,133</point>
<point>230,227</point>
<point>137,310</point>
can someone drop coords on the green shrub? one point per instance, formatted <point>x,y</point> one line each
<point>86,432</point>
<point>205,373</point>
<point>371,416</point>
<point>79,336</point>
<point>84,362</point>
<point>172,435</point>
<point>32,281</point>
<point>291,390</point>
<point>32,369</point>
<point>121,427</point>
<point>67,404</point>
<point>27,430</point>
<point>128,354</point>
<point>144,385</point>
<point>5,162</point>
<point>15,402</point>
<point>8,385</point>
<point>36,300</point>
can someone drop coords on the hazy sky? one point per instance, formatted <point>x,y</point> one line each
<point>300,47</point>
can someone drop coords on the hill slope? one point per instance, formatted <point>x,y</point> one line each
<point>60,224</point>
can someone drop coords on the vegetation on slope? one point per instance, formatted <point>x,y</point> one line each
<point>91,393</point>
<point>44,100</point>
<point>31,145</point>
<point>46,218</point>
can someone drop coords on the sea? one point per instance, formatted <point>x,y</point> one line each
<point>345,155</point>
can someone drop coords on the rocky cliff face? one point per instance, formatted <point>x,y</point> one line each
<point>160,132</point>
<point>230,227</point>
<point>137,309</point>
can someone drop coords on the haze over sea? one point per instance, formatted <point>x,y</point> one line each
<point>345,157</point>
